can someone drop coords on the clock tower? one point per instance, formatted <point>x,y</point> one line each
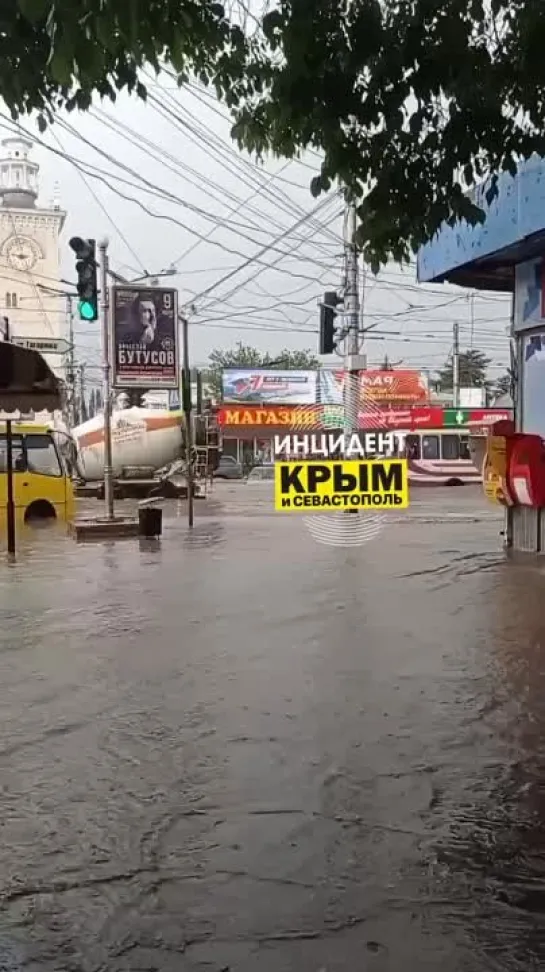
<point>29,251</point>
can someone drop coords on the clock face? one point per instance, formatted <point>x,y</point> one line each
<point>21,254</point>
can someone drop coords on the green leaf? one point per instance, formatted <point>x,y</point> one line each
<point>61,68</point>
<point>35,10</point>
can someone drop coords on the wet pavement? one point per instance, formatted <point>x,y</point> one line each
<point>242,750</point>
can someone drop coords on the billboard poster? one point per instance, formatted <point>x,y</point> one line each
<point>408,387</point>
<point>529,295</point>
<point>144,337</point>
<point>261,386</point>
<point>533,394</point>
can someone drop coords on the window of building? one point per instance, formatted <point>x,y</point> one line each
<point>11,300</point>
<point>430,447</point>
<point>450,447</point>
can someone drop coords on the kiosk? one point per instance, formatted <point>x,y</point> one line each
<point>506,254</point>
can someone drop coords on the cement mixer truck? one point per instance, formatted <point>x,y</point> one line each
<point>147,451</point>
<point>143,442</point>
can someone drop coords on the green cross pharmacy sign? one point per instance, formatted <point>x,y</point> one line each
<point>456,416</point>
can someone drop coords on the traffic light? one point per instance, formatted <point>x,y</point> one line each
<point>86,267</point>
<point>328,315</point>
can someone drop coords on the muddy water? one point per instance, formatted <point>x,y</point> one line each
<point>243,750</point>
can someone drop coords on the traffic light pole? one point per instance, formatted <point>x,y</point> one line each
<point>71,365</point>
<point>10,504</point>
<point>187,409</point>
<point>106,390</point>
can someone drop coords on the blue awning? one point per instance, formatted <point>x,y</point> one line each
<point>484,256</point>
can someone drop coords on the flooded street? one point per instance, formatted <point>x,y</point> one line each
<point>242,750</point>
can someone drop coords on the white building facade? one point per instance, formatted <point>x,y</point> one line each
<point>29,252</point>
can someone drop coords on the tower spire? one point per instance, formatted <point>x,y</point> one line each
<point>18,174</point>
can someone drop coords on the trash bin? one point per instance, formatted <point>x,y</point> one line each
<point>150,521</point>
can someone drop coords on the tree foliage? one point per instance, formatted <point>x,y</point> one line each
<point>503,385</point>
<point>411,102</point>
<point>60,54</point>
<point>245,356</point>
<point>472,369</point>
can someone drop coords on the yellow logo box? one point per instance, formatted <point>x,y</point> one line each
<point>363,484</point>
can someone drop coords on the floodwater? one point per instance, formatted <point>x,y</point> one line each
<point>244,751</point>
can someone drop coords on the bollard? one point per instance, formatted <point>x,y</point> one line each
<point>150,521</point>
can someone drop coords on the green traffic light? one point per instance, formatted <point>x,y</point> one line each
<point>86,310</point>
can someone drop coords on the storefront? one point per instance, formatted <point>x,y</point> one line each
<point>248,433</point>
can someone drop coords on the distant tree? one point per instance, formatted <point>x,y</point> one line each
<point>386,366</point>
<point>92,404</point>
<point>98,400</point>
<point>244,356</point>
<point>473,366</point>
<point>503,386</point>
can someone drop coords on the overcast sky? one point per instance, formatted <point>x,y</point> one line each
<point>253,250</point>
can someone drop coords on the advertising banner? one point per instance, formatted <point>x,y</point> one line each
<point>375,386</point>
<point>144,337</point>
<point>288,417</point>
<point>333,417</point>
<point>341,485</point>
<point>529,295</point>
<point>533,389</point>
<point>403,418</point>
<point>260,386</point>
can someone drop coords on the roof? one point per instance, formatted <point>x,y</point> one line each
<point>484,256</point>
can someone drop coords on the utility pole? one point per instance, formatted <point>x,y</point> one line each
<point>10,505</point>
<point>455,365</point>
<point>105,320</point>
<point>362,312</point>
<point>82,409</point>
<point>186,392</point>
<point>71,366</point>
<point>352,312</point>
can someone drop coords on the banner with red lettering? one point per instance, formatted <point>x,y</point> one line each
<point>396,387</point>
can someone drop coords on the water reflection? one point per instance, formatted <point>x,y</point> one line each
<point>207,534</point>
<point>310,754</point>
<point>495,841</point>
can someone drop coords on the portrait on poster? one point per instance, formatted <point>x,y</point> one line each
<point>145,338</point>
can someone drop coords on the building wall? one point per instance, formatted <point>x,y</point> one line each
<point>36,313</point>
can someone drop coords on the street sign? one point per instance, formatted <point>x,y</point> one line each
<point>43,345</point>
